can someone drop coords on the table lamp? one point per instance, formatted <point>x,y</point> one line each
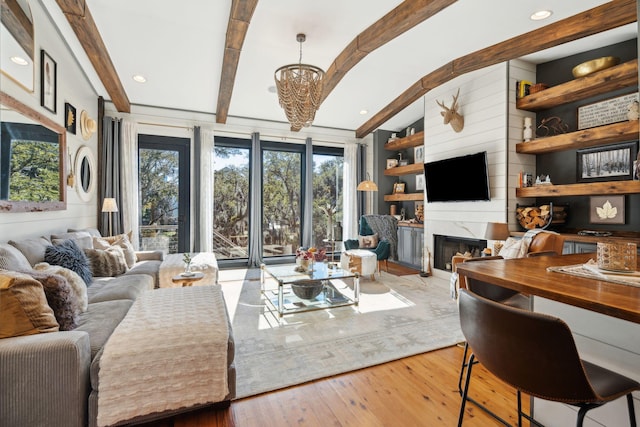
<point>109,206</point>
<point>499,232</point>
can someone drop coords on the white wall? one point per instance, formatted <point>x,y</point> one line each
<point>483,103</point>
<point>73,87</point>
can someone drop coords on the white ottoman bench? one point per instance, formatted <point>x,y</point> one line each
<point>172,265</point>
<point>362,261</point>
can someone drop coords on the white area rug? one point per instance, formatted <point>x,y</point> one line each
<point>398,316</point>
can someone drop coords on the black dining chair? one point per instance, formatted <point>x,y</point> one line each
<point>536,354</point>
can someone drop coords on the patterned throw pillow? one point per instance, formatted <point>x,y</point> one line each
<point>75,281</point>
<point>122,240</point>
<point>107,263</point>
<point>67,254</point>
<point>368,242</point>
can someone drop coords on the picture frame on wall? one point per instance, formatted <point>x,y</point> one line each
<point>418,154</point>
<point>420,182</point>
<point>607,209</point>
<point>70,118</point>
<point>607,163</point>
<point>48,82</point>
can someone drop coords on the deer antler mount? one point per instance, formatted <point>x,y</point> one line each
<point>451,115</point>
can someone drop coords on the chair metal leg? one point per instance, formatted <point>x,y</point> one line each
<point>581,413</point>
<point>463,366</point>
<point>632,411</point>
<point>466,391</point>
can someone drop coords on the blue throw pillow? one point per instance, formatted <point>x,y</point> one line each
<point>69,255</point>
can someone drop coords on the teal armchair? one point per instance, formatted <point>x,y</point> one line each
<point>382,251</point>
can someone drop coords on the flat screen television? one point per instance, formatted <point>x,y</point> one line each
<point>458,179</point>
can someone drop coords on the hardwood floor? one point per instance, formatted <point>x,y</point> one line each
<point>415,391</point>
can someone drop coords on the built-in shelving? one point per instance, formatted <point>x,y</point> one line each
<point>404,197</point>
<point>405,170</point>
<point>608,80</point>
<point>619,77</point>
<point>406,142</point>
<point>400,144</point>
<point>602,135</point>
<point>580,189</point>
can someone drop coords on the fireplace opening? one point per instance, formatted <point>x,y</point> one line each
<point>445,247</point>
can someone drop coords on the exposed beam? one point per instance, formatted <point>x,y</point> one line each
<point>18,24</point>
<point>83,25</point>
<point>400,20</point>
<point>239,19</point>
<point>610,15</point>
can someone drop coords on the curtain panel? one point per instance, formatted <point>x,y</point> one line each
<point>110,185</point>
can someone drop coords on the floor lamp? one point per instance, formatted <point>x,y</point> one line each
<point>109,206</point>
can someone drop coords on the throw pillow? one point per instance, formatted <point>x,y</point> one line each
<point>82,238</point>
<point>12,259</point>
<point>94,232</point>
<point>23,306</point>
<point>122,240</point>
<point>32,249</point>
<point>61,297</point>
<point>368,242</point>
<point>67,254</point>
<point>75,281</point>
<point>107,263</point>
<point>511,248</point>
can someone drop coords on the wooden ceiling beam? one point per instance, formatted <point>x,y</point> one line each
<point>239,19</point>
<point>398,21</point>
<point>608,16</point>
<point>78,14</point>
<point>19,25</point>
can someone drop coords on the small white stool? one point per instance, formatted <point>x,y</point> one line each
<point>362,261</point>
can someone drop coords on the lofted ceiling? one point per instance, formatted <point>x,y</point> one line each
<point>179,47</point>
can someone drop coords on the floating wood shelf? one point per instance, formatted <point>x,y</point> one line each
<point>404,197</point>
<point>406,142</point>
<point>614,78</point>
<point>586,189</point>
<point>601,135</point>
<point>405,170</point>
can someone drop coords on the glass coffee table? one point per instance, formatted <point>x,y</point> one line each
<point>331,292</point>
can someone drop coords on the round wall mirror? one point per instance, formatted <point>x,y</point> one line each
<point>86,175</point>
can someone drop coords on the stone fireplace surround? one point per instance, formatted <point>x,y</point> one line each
<point>445,247</point>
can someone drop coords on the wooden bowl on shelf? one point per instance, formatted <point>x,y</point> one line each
<point>594,65</point>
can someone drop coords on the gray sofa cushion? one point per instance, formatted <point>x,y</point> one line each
<point>32,249</point>
<point>100,320</point>
<point>125,287</point>
<point>12,259</point>
<point>150,268</point>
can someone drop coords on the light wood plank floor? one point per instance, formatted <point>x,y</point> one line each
<point>415,391</point>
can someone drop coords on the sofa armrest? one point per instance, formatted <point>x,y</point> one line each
<point>150,255</point>
<point>45,379</point>
<point>383,250</point>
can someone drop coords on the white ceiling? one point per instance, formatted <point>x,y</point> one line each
<point>179,48</point>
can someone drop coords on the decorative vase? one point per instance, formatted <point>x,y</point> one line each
<point>337,231</point>
<point>527,133</point>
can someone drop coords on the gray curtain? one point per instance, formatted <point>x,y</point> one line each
<point>111,147</point>
<point>307,194</point>
<point>362,175</point>
<point>197,198</point>
<point>255,204</point>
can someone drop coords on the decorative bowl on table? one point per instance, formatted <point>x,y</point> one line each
<point>307,290</point>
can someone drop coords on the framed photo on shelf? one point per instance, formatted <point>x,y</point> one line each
<point>606,209</point>
<point>398,188</point>
<point>420,182</point>
<point>607,163</point>
<point>392,163</point>
<point>48,82</point>
<point>418,154</point>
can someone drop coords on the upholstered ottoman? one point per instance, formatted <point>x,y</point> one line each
<point>362,261</point>
<point>203,262</point>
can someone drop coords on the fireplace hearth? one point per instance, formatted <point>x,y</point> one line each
<point>445,247</point>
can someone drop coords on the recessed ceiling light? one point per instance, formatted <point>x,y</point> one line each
<point>540,15</point>
<point>19,60</point>
<point>139,78</point>
<point>363,112</point>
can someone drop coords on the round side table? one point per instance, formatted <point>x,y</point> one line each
<point>187,280</point>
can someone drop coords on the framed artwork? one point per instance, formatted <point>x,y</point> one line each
<point>48,82</point>
<point>70,121</point>
<point>392,163</point>
<point>606,209</point>
<point>420,182</point>
<point>398,188</point>
<point>608,163</point>
<point>418,154</point>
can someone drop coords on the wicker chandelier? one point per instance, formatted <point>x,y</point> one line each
<point>299,90</point>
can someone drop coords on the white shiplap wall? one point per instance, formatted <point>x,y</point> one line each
<point>483,103</point>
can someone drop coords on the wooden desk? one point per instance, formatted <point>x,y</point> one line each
<point>530,276</point>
